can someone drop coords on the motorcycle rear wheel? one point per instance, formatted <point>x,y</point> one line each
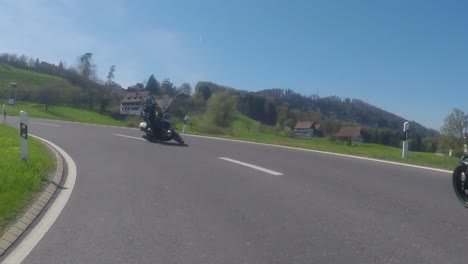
<point>460,184</point>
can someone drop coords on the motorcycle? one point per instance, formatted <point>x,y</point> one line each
<point>166,131</point>
<point>460,181</point>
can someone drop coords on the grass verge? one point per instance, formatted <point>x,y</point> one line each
<point>20,181</point>
<point>243,128</point>
<point>64,113</point>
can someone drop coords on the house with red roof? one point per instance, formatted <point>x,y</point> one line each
<point>306,129</point>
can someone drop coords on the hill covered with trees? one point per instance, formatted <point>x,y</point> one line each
<point>282,108</point>
<point>40,81</point>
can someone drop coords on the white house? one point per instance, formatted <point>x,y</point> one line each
<point>133,102</point>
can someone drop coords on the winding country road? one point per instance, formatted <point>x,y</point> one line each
<point>218,201</point>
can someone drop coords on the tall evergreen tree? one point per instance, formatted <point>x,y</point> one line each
<point>153,86</point>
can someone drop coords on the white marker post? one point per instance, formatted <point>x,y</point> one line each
<point>185,124</point>
<point>406,128</point>
<point>24,135</point>
<point>4,114</point>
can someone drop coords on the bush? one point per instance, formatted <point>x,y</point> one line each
<point>259,127</point>
<point>287,132</point>
<point>458,152</point>
<point>277,129</point>
<point>193,122</point>
<point>220,109</point>
<point>133,121</point>
<point>117,116</point>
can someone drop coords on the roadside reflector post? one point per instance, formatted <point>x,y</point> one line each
<point>185,124</point>
<point>4,114</point>
<point>406,128</point>
<point>24,135</point>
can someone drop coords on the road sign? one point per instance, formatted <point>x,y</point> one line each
<point>185,124</point>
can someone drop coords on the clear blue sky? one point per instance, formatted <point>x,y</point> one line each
<point>407,57</point>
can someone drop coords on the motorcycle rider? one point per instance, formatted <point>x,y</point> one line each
<point>152,118</point>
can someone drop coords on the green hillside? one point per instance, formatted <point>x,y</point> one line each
<point>244,128</point>
<point>65,113</point>
<point>28,81</point>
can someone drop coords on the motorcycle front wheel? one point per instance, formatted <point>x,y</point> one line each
<point>460,184</point>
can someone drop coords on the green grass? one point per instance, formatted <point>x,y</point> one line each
<point>20,181</point>
<point>238,130</point>
<point>28,80</point>
<point>62,113</point>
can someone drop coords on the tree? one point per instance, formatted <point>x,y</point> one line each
<point>455,124</point>
<point>153,86</point>
<point>110,75</point>
<point>287,131</point>
<point>103,96</point>
<point>31,62</point>
<point>104,92</point>
<point>49,95</point>
<point>86,67</point>
<point>167,87</point>
<point>291,123</point>
<point>282,114</point>
<point>87,70</point>
<point>447,143</point>
<point>204,91</point>
<point>248,124</point>
<point>140,86</point>
<point>269,113</point>
<point>185,88</point>
<point>430,144</point>
<point>220,109</point>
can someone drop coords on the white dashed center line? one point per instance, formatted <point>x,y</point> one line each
<point>252,166</point>
<point>44,124</point>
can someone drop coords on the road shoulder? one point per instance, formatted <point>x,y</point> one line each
<point>38,204</point>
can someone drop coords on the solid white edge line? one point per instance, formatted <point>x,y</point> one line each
<point>88,124</point>
<point>120,135</point>
<point>28,243</point>
<point>44,124</point>
<point>325,152</point>
<point>252,166</point>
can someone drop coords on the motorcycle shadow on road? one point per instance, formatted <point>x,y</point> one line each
<point>173,144</point>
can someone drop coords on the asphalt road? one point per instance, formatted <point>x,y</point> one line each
<point>140,202</point>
